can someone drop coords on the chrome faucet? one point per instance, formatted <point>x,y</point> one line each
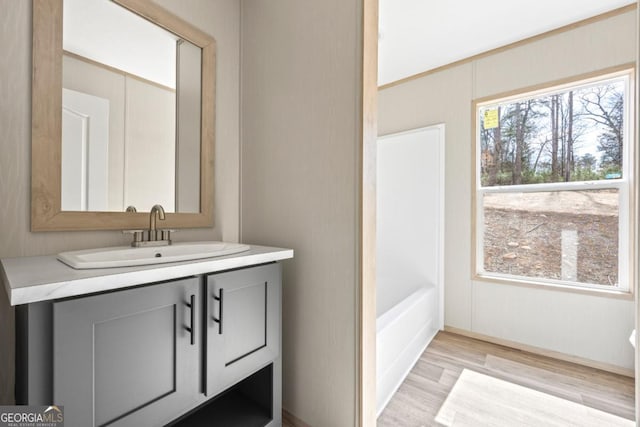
<point>156,211</point>
<point>154,236</point>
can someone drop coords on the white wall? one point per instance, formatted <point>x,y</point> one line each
<point>219,18</point>
<point>149,146</point>
<point>587,326</point>
<point>300,142</point>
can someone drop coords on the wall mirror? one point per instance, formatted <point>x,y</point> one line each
<point>122,116</point>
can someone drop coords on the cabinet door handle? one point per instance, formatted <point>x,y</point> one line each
<point>218,319</point>
<point>192,328</point>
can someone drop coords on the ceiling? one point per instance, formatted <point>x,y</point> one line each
<point>420,35</point>
<point>110,34</point>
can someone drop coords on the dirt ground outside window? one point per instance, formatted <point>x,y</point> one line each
<point>523,234</point>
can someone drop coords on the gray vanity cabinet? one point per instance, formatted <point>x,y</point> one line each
<point>201,350</point>
<point>243,324</point>
<point>130,357</point>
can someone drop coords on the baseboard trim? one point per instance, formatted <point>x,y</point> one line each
<point>544,352</point>
<point>292,420</point>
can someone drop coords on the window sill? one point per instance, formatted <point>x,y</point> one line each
<point>600,292</point>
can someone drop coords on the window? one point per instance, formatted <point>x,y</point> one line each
<point>552,185</point>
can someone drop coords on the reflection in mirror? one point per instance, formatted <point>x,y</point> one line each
<point>193,126</point>
<point>131,112</point>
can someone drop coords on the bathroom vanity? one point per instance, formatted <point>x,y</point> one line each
<point>183,343</point>
<point>190,342</point>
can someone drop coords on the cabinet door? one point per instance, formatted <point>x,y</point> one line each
<point>243,324</point>
<point>127,358</point>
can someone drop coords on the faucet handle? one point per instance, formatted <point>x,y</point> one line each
<point>165,234</point>
<point>137,236</point>
<point>134,232</point>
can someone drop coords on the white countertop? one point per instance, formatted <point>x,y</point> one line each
<point>44,278</point>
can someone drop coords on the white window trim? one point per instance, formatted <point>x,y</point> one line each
<point>624,185</point>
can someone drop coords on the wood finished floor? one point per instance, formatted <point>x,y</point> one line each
<point>426,387</point>
<point>287,423</point>
<point>289,420</point>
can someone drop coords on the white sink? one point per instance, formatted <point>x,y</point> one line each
<point>127,256</point>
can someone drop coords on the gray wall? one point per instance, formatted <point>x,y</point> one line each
<point>587,326</point>
<point>299,178</point>
<point>219,18</point>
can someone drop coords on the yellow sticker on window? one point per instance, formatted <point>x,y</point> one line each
<point>490,119</point>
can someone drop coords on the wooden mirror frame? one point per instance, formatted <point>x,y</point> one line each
<point>46,125</point>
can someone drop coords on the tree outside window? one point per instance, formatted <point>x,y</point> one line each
<point>552,185</point>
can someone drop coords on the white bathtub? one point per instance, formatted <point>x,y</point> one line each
<point>403,332</point>
<point>410,248</point>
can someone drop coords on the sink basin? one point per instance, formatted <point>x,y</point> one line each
<point>127,256</point>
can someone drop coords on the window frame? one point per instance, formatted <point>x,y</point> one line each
<point>625,186</point>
